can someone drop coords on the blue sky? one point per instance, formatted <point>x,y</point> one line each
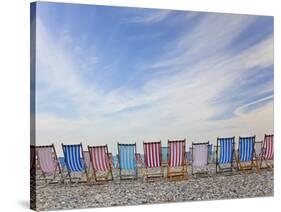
<point>108,74</point>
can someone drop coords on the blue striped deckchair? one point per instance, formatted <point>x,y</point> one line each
<point>246,152</point>
<point>127,161</point>
<point>74,160</point>
<point>225,154</point>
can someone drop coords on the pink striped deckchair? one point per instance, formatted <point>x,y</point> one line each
<point>48,162</point>
<point>200,157</point>
<point>267,151</point>
<point>100,163</point>
<point>153,159</point>
<point>177,166</point>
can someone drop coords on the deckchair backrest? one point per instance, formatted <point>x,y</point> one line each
<point>258,148</point>
<point>268,147</point>
<point>127,159</point>
<point>152,154</point>
<point>99,157</point>
<point>73,157</point>
<point>246,148</point>
<point>226,148</point>
<point>200,154</point>
<point>46,160</point>
<point>176,153</point>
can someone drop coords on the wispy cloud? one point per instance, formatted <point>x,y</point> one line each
<point>197,86</point>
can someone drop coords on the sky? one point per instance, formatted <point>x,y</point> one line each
<point>118,74</point>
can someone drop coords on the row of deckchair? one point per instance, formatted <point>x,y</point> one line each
<point>100,161</point>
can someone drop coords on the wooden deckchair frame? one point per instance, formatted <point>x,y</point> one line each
<point>242,165</point>
<point>147,175</point>
<point>108,172</point>
<point>262,159</point>
<point>127,177</point>
<point>84,163</point>
<point>182,173</point>
<point>202,173</point>
<point>219,169</point>
<point>54,153</point>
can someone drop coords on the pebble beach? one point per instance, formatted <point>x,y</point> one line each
<point>242,184</point>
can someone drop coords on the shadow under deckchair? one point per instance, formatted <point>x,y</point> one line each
<point>267,152</point>
<point>177,165</point>
<point>48,163</point>
<point>127,161</point>
<point>200,156</point>
<point>225,154</point>
<point>152,160</point>
<point>75,162</point>
<point>99,160</point>
<point>246,153</point>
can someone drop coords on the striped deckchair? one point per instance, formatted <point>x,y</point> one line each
<point>267,151</point>
<point>100,163</point>
<point>48,162</point>
<point>116,161</point>
<point>139,160</point>
<point>127,161</point>
<point>177,166</point>
<point>200,155</point>
<point>246,152</point>
<point>210,153</point>
<point>225,154</point>
<point>75,161</point>
<point>164,150</point>
<point>153,160</point>
<point>62,163</point>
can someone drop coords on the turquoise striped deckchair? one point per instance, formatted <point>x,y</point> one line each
<point>225,154</point>
<point>246,152</point>
<point>127,161</point>
<point>74,160</point>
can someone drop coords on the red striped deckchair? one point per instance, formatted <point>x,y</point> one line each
<point>177,166</point>
<point>100,163</point>
<point>267,151</point>
<point>48,162</point>
<point>153,159</point>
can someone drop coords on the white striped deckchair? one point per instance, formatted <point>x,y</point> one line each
<point>75,161</point>
<point>127,161</point>
<point>200,156</point>
<point>225,154</point>
<point>48,162</point>
<point>100,163</point>
<point>153,160</point>
<point>267,151</point>
<point>177,166</point>
<point>246,153</point>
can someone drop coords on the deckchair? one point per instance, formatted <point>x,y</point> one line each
<point>225,154</point>
<point>48,163</point>
<point>127,161</point>
<point>210,153</point>
<point>164,150</point>
<point>75,161</point>
<point>200,155</point>
<point>139,160</point>
<point>267,152</point>
<point>100,163</point>
<point>153,160</point>
<point>177,166</point>
<point>246,153</point>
